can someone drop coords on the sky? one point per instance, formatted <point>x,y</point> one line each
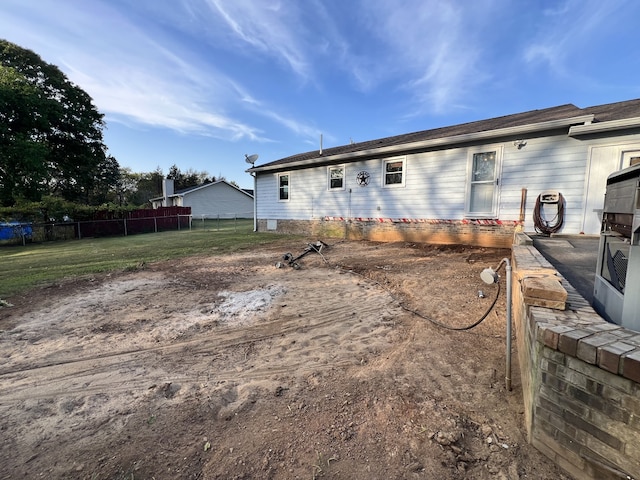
<point>202,83</point>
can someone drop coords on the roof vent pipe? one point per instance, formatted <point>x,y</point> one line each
<point>320,144</point>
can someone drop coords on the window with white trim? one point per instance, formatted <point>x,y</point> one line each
<point>393,172</point>
<point>483,183</point>
<point>336,177</point>
<point>630,158</point>
<point>283,187</point>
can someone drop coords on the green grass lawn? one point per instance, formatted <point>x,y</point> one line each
<point>25,267</point>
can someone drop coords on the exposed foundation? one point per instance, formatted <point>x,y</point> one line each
<point>484,233</point>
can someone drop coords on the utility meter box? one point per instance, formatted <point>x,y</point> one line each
<point>616,294</point>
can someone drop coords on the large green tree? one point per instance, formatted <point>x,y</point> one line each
<point>50,134</point>
<point>190,178</point>
<point>138,188</point>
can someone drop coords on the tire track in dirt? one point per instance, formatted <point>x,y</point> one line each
<point>316,329</point>
<point>238,337</point>
<point>134,374</point>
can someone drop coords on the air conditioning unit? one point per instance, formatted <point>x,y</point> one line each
<point>616,294</point>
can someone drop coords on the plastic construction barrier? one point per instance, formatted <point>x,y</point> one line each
<point>14,230</point>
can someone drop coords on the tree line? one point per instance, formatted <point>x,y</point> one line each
<point>52,151</point>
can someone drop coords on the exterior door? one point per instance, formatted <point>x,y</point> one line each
<point>482,191</point>
<point>603,162</point>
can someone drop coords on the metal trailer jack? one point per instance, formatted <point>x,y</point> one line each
<point>292,261</point>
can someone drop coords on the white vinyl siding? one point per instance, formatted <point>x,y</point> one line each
<point>436,184</point>
<point>218,200</point>
<point>427,194</point>
<point>548,163</point>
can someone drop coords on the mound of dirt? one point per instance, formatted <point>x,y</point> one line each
<point>230,368</point>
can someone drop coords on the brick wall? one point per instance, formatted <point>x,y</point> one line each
<point>434,232</point>
<point>580,378</point>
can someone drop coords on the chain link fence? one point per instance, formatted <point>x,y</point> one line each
<point>21,233</point>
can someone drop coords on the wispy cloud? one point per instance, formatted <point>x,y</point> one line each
<point>131,97</point>
<point>221,68</point>
<point>431,48</point>
<point>140,75</point>
<point>267,27</point>
<point>567,31</point>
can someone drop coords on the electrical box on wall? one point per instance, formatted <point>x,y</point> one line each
<point>550,197</point>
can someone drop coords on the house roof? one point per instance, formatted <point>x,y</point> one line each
<point>563,116</point>
<point>184,191</point>
<point>615,111</point>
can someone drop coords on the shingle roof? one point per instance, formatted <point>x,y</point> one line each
<point>203,185</point>
<point>182,191</point>
<point>613,111</point>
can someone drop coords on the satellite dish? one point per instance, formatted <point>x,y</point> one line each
<point>251,158</point>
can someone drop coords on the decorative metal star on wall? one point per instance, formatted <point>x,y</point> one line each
<point>362,178</point>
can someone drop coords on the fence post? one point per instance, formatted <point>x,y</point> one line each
<point>125,226</point>
<point>218,222</point>
<point>155,224</point>
<point>79,232</point>
<point>178,217</point>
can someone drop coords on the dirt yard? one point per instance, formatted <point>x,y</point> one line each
<point>230,368</point>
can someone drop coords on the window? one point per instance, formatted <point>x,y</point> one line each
<point>283,187</point>
<point>630,158</point>
<point>393,172</point>
<point>482,188</point>
<point>336,178</point>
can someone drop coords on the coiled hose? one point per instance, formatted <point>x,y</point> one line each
<point>548,227</point>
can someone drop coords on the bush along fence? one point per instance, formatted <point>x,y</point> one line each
<point>104,224</point>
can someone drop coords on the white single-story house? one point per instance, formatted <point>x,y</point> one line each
<point>211,200</point>
<point>474,183</point>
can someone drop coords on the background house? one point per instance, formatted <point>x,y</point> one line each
<point>212,200</point>
<point>472,183</point>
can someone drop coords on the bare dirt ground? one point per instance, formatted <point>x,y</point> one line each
<point>230,368</point>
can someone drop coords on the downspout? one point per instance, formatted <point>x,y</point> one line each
<point>255,201</point>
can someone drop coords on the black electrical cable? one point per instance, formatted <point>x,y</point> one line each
<point>424,317</point>
<point>418,314</point>
<point>543,226</point>
<point>449,327</point>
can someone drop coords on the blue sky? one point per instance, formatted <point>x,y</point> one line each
<point>201,83</point>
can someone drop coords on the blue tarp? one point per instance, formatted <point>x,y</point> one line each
<point>13,230</point>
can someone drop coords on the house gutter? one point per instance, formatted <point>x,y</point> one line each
<point>435,142</point>
<point>577,130</point>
